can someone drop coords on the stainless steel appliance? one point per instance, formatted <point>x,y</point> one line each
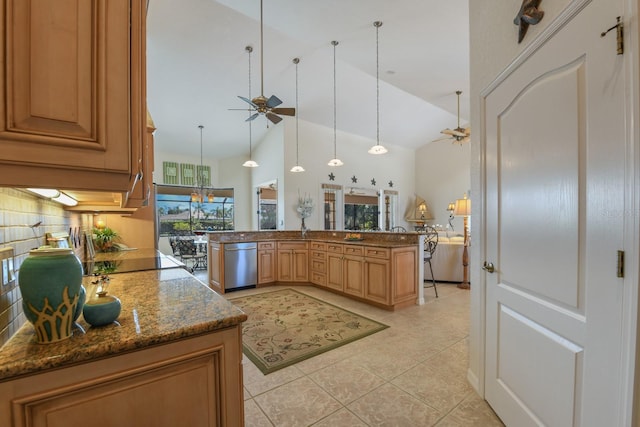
<point>240,265</point>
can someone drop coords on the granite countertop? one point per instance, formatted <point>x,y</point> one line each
<point>158,306</point>
<point>378,239</point>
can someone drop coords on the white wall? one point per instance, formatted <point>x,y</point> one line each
<point>316,149</point>
<point>442,176</point>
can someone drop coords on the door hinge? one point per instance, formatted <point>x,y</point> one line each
<point>620,264</point>
<point>619,27</point>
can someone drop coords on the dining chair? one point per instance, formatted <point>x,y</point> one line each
<point>430,244</point>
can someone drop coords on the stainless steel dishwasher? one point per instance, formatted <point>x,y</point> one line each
<point>240,265</point>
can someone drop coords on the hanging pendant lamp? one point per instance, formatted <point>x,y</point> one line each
<point>335,161</point>
<point>250,163</point>
<point>378,148</point>
<point>201,190</point>
<point>297,167</point>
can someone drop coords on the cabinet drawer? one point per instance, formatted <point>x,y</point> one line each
<point>319,246</point>
<point>334,248</point>
<point>318,266</point>
<point>321,255</point>
<point>292,245</point>
<point>353,250</point>
<point>377,253</point>
<point>318,278</point>
<point>266,245</point>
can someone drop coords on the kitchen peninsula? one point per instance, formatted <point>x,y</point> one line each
<point>378,268</point>
<point>173,358</point>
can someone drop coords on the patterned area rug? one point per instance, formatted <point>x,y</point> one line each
<point>286,326</point>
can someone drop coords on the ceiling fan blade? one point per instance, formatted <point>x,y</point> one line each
<point>248,101</point>
<point>441,139</point>
<point>273,101</point>
<point>284,111</point>
<point>275,119</point>
<point>253,116</point>
<point>453,132</point>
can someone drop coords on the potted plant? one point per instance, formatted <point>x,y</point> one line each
<point>104,238</point>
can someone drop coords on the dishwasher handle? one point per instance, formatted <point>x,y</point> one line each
<point>240,249</point>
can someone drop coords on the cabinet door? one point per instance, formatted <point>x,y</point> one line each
<point>285,265</point>
<point>266,266</point>
<point>334,271</point>
<point>353,275</point>
<point>214,265</point>
<point>377,280</point>
<point>300,265</point>
<point>73,104</point>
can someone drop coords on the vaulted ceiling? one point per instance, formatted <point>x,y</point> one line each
<point>197,66</point>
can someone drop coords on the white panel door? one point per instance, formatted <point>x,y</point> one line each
<point>555,141</point>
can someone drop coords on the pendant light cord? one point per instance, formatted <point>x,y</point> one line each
<point>335,155</point>
<point>249,49</point>
<point>296,61</point>
<point>377,25</point>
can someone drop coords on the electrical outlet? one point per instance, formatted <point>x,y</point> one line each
<point>7,276</point>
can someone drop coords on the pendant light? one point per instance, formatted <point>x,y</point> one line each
<point>200,190</point>
<point>377,149</point>
<point>250,163</point>
<point>335,161</point>
<point>297,167</point>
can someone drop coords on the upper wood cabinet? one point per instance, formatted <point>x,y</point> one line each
<point>73,99</point>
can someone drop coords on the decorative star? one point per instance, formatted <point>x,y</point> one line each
<point>373,182</point>
<point>332,177</point>
<point>391,184</point>
<point>354,179</point>
<point>527,15</point>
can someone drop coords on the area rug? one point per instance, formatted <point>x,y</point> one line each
<point>285,327</point>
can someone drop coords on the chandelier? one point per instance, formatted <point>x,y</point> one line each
<point>201,189</point>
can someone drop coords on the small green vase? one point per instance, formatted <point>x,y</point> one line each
<point>101,310</point>
<point>50,281</point>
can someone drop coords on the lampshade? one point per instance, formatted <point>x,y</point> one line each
<point>451,207</point>
<point>462,207</point>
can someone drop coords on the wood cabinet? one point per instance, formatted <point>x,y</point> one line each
<point>73,99</point>
<point>215,264</point>
<point>335,271</point>
<point>266,262</point>
<point>293,261</point>
<point>191,382</point>
<point>377,270</point>
<point>353,265</point>
<point>318,260</point>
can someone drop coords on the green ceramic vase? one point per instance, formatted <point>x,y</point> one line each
<point>50,281</point>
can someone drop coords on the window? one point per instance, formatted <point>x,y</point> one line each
<point>330,196</point>
<point>361,210</point>
<point>178,215</point>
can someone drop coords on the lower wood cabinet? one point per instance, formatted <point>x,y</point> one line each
<point>190,382</point>
<point>353,264</point>
<point>318,263</point>
<point>293,261</point>
<point>266,262</point>
<point>215,262</point>
<point>335,270</point>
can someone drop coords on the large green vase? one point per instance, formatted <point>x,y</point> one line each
<point>50,281</point>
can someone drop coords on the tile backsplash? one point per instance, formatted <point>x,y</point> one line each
<point>24,221</point>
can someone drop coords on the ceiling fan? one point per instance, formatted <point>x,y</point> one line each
<point>458,134</point>
<point>261,104</point>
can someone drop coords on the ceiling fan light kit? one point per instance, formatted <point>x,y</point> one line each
<point>297,167</point>
<point>378,148</point>
<point>335,161</point>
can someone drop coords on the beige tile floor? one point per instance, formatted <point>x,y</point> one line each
<point>410,374</point>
